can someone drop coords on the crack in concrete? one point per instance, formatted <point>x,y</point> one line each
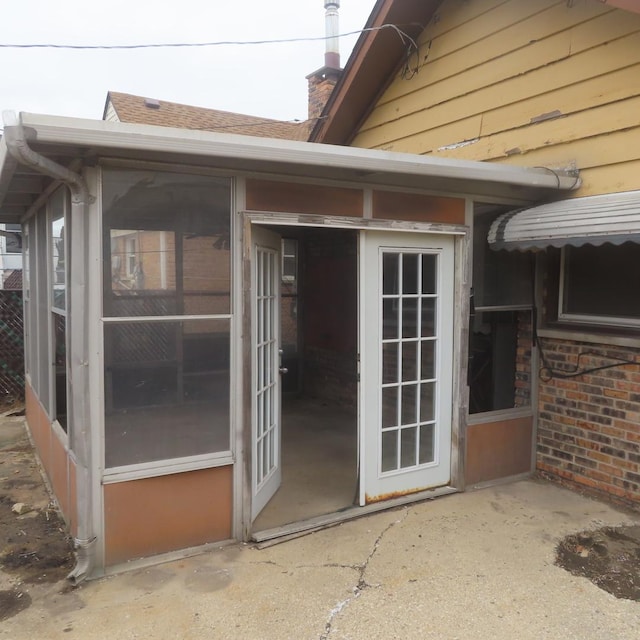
<point>362,584</point>
<point>330,565</point>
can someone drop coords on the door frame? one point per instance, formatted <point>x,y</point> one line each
<point>242,523</point>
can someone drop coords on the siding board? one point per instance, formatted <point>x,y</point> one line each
<point>591,122</point>
<point>589,153</point>
<point>499,24</point>
<point>609,66</point>
<point>595,92</point>
<point>535,56</point>
<point>534,34</point>
<point>532,58</point>
<point>457,13</point>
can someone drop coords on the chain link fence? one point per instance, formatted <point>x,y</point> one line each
<point>11,347</point>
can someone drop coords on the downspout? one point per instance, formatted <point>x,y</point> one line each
<point>16,140</point>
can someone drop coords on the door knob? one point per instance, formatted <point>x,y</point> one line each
<point>283,370</point>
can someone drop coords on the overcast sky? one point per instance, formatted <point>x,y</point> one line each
<point>264,80</point>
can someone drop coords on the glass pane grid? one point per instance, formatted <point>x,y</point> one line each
<point>266,366</point>
<point>408,350</point>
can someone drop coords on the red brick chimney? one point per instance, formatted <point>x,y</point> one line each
<point>322,81</point>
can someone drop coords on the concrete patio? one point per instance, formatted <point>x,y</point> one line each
<point>474,565</point>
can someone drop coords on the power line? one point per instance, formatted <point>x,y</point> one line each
<point>111,47</point>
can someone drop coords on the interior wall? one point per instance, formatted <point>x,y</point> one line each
<point>330,313</point>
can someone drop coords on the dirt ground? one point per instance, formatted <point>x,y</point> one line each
<point>609,557</point>
<point>35,547</point>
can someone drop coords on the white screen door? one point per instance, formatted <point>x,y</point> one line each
<point>265,314</point>
<point>406,353</point>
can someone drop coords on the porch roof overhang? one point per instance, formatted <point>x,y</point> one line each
<point>69,140</point>
<point>612,218</point>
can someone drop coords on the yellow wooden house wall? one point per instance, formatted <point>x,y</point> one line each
<point>552,83</point>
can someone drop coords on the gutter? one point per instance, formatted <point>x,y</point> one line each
<point>15,136</point>
<point>254,154</point>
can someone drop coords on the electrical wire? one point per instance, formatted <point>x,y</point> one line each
<point>547,373</point>
<point>405,37</point>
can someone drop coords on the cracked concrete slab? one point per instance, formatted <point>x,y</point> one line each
<point>475,565</point>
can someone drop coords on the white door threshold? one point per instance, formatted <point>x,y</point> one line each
<point>303,527</point>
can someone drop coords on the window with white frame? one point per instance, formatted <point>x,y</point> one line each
<point>289,259</point>
<point>599,285</point>
<point>13,243</point>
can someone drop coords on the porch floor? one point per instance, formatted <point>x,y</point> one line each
<point>319,463</point>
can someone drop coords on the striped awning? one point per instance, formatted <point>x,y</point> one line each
<point>613,218</point>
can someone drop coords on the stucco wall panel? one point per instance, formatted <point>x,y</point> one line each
<point>54,457</point>
<point>156,515</point>
<point>498,450</point>
<point>266,195</point>
<point>39,426</point>
<point>73,498</point>
<point>391,205</point>
<point>59,473</point>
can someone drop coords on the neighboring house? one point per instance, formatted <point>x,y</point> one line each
<point>554,374</point>
<point>11,256</point>
<point>11,326</point>
<point>123,107</point>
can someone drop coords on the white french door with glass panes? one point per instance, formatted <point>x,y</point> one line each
<point>406,354</point>
<point>265,313</point>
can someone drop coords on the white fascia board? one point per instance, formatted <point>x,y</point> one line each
<point>369,163</point>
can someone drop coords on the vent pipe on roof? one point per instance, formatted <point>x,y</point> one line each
<point>322,81</point>
<point>332,51</point>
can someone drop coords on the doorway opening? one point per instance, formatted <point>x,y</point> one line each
<point>319,384</point>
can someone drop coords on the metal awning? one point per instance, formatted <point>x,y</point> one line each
<point>613,218</point>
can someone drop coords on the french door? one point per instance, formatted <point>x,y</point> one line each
<point>265,314</point>
<point>406,353</point>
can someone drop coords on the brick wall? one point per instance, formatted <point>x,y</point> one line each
<point>331,377</point>
<point>330,299</point>
<point>321,84</point>
<point>589,425</point>
<point>522,393</point>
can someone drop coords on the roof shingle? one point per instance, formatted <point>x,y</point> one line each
<point>134,109</point>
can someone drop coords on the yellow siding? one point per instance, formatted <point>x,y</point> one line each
<point>536,83</point>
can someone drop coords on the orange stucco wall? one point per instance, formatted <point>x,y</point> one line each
<point>498,450</point>
<point>166,513</point>
<point>55,458</point>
